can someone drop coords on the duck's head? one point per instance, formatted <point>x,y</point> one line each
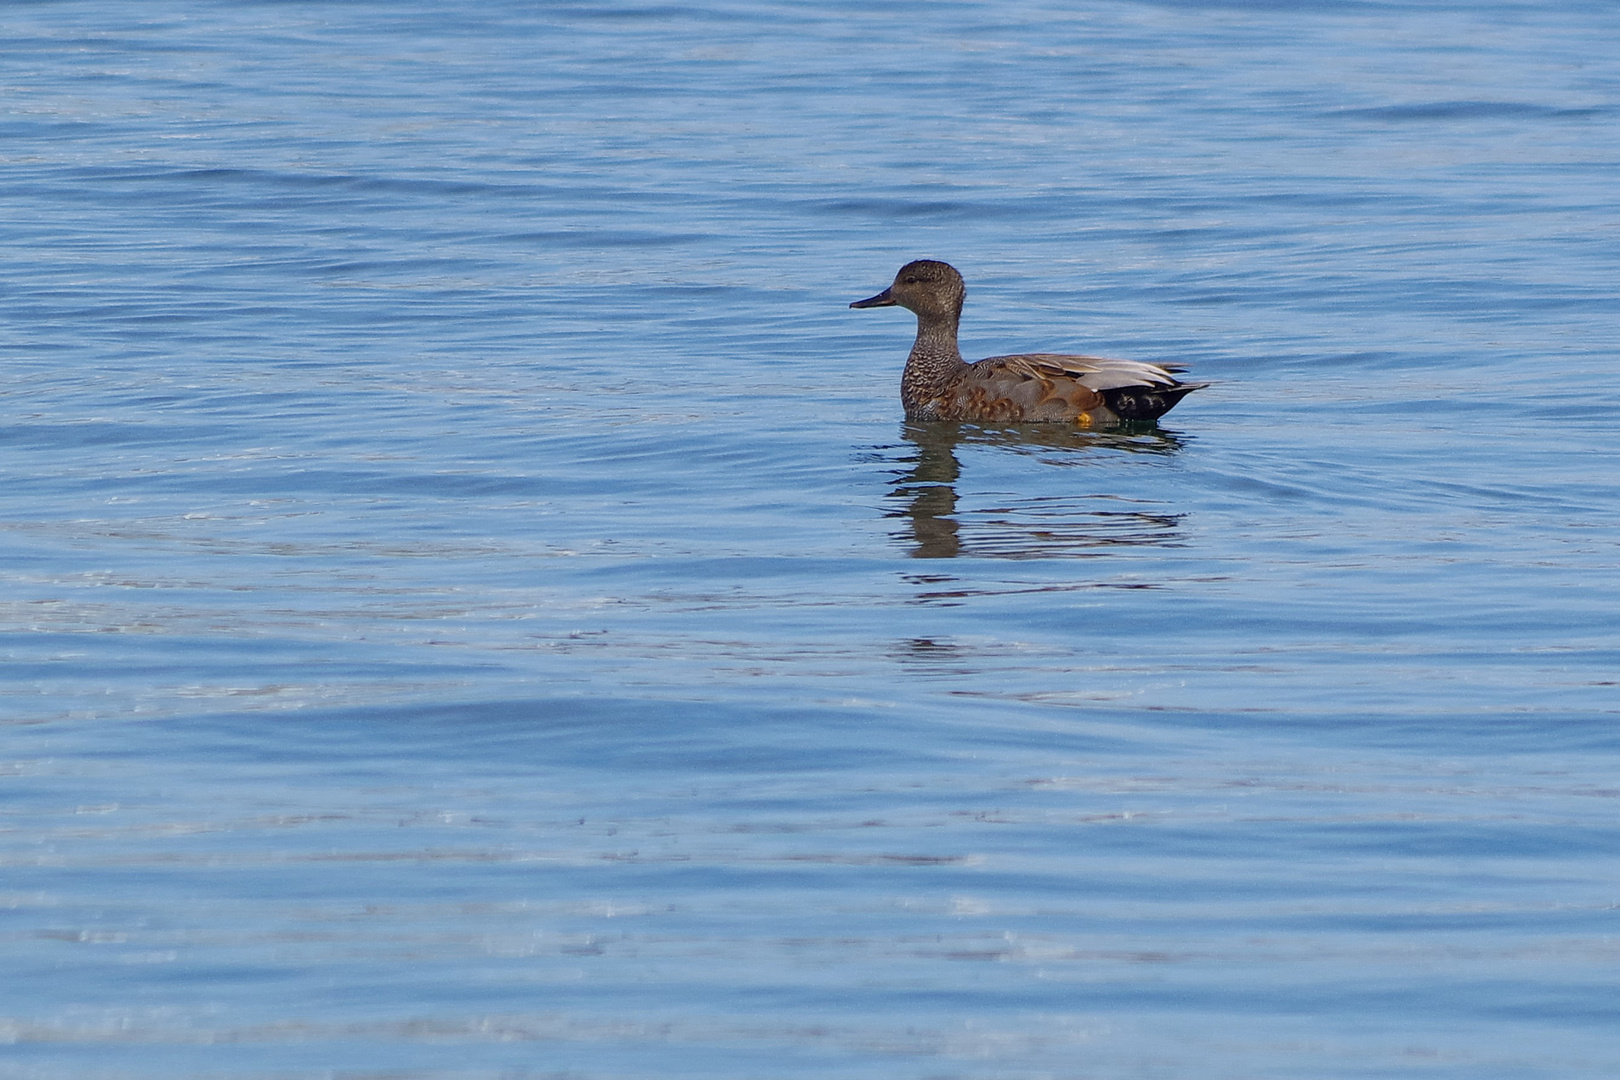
<point>932,289</point>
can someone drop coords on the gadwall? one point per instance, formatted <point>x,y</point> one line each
<point>938,384</point>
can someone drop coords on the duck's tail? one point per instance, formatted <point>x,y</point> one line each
<point>1146,403</point>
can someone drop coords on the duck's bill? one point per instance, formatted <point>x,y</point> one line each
<point>882,299</point>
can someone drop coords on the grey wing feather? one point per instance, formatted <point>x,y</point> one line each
<point>1093,372</point>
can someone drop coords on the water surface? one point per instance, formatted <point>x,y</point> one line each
<point>472,606</point>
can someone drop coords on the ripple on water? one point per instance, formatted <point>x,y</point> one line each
<point>473,607</point>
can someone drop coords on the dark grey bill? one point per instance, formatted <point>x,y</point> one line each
<point>882,299</point>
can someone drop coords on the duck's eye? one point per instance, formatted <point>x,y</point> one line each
<point>908,281</point>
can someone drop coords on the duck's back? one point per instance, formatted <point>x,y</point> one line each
<point>1046,387</point>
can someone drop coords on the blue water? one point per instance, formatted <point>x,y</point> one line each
<point>472,607</point>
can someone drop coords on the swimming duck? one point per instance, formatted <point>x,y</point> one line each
<point>938,384</point>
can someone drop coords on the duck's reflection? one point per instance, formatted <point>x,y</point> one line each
<point>928,490</point>
<point>925,494</point>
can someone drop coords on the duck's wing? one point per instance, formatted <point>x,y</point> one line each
<point>1093,372</point>
<point>1056,386</point>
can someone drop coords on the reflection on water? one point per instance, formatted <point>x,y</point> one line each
<point>1042,527</point>
<point>928,490</point>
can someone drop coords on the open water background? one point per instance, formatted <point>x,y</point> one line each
<point>472,607</point>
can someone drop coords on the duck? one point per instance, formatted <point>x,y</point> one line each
<point>1086,391</point>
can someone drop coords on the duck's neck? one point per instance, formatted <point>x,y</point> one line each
<point>934,360</point>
